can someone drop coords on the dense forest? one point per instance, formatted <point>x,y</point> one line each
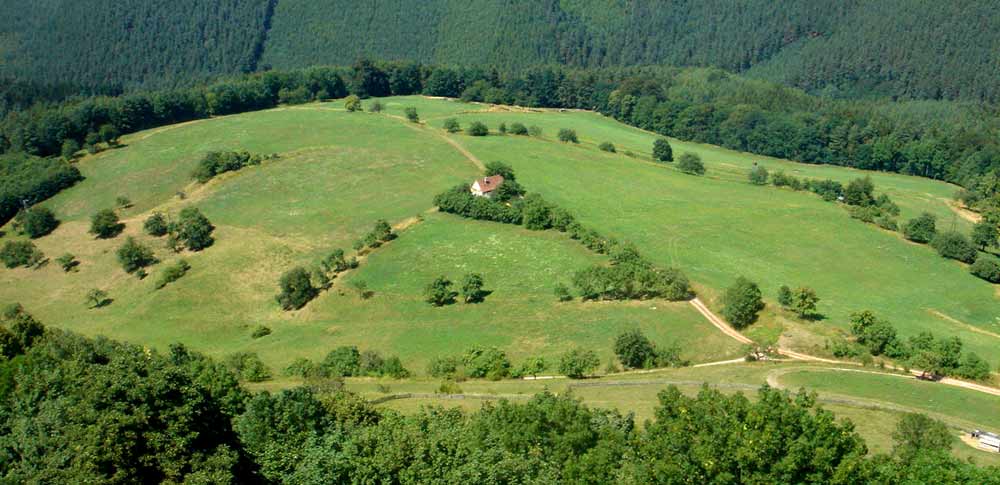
<point>906,49</point>
<point>79,410</point>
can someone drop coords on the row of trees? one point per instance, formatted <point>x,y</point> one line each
<point>188,419</point>
<point>214,163</point>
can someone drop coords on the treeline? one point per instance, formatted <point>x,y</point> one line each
<point>80,410</point>
<point>957,143</point>
<point>26,180</point>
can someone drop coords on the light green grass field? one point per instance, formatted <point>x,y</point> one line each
<point>338,172</point>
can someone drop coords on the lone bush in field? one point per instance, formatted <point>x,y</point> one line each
<point>439,292</point>
<point>67,262</point>
<point>742,303</point>
<point>488,362</point>
<point>472,288</point>
<point>954,245</point>
<point>36,222</point>
<point>134,255</point>
<point>804,301</point>
<point>352,103</point>
<point>173,273</point>
<point>104,224</point>
<point>96,298</point>
<point>155,225</point>
<point>690,163</point>
<point>296,289</point>
<point>478,128</point>
<point>785,296</point>
<point>634,350</point>
<point>758,175</point>
<point>987,268</point>
<point>20,253</point>
<point>562,292</point>
<point>375,107</point>
<point>578,363</point>
<point>451,125</point>
<point>607,147</point>
<point>567,135</point>
<point>920,229</point>
<point>411,114</point>
<point>194,229</point>
<point>517,128</point>
<point>662,152</point>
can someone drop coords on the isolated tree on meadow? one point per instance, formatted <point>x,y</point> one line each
<point>67,262</point>
<point>472,288</point>
<point>411,114</point>
<point>134,256</point>
<point>156,225</point>
<point>662,152</point>
<point>758,175</point>
<point>96,298</point>
<point>123,202</point>
<point>578,363</point>
<point>804,301</point>
<point>518,129</point>
<point>296,289</point>
<point>742,303</point>
<point>20,253</point>
<point>502,129</point>
<point>375,107</point>
<point>607,147</point>
<point>920,229</point>
<point>690,163</point>
<point>478,128</point>
<point>194,229</point>
<point>352,103</point>
<point>104,224</point>
<point>984,234</point>
<point>439,292</point>
<point>785,296</point>
<point>451,125</point>
<point>562,292</point>
<point>634,350</point>
<point>568,136</point>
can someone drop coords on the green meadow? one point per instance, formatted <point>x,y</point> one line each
<point>338,172</point>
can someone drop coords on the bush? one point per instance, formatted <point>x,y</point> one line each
<point>20,253</point>
<point>260,331</point>
<point>105,224</point>
<point>532,366</point>
<point>578,363</point>
<point>439,292</point>
<point>518,129</point>
<point>634,350</point>
<point>155,225</point>
<point>562,292</point>
<point>690,163</point>
<point>860,191</point>
<point>375,107</point>
<point>36,222</point>
<point>785,296</point>
<point>607,147</point>
<point>194,229</point>
<point>742,303</point>
<point>920,229</point>
<point>887,222</point>
<point>829,190</point>
<point>662,151</point>
<point>134,256</point>
<point>451,125</point>
<point>344,361</point>
<point>248,367</point>
<point>535,131</point>
<point>758,175</point>
<point>296,289</point>
<point>478,128</point>
<point>568,136</point>
<point>488,362</point>
<point>172,273</point>
<point>987,268</point>
<point>443,367</point>
<point>411,114</point>
<point>632,281</point>
<point>67,262</point>
<point>300,367</point>
<point>215,163</point>
<point>502,129</point>
<point>472,288</point>
<point>954,245</point>
<point>352,103</point>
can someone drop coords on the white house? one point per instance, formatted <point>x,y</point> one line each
<point>485,186</point>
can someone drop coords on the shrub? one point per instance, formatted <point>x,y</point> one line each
<point>920,229</point>
<point>344,361</point>
<point>633,281</point>
<point>20,253</point>
<point>804,301</point>
<point>352,103</point>
<point>67,262</point>
<point>478,128</point>
<point>860,192</point>
<point>488,362</point>
<point>607,147</point>
<point>296,289</point>
<point>104,224</point>
<point>518,129</point>
<point>36,222</point>
<point>887,222</point>
<point>987,268</point>
<point>532,366</point>
<point>215,163</point>
<point>451,125</point>
<point>96,298</point>
<point>194,229</point>
<point>828,189</point>
<point>578,363</point>
<point>411,114</point>
<point>690,163</point>
<point>954,245</point>
<point>439,292</point>
<point>248,367</point>
<point>375,107</point>
<point>172,273</point>
<point>300,367</point>
<point>155,225</point>
<point>562,292</point>
<point>568,136</point>
<point>758,175</point>
<point>69,149</point>
<point>634,350</point>
<point>502,128</point>
<point>785,296</point>
<point>535,131</point>
<point>662,151</point>
<point>742,303</point>
<point>984,234</point>
<point>443,367</point>
<point>123,202</point>
<point>449,387</point>
<point>472,288</point>
<point>134,256</point>
<point>260,331</point>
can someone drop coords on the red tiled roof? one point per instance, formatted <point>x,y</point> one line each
<point>489,184</point>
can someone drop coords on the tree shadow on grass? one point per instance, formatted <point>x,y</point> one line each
<point>103,303</point>
<point>480,297</point>
<point>814,317</point>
